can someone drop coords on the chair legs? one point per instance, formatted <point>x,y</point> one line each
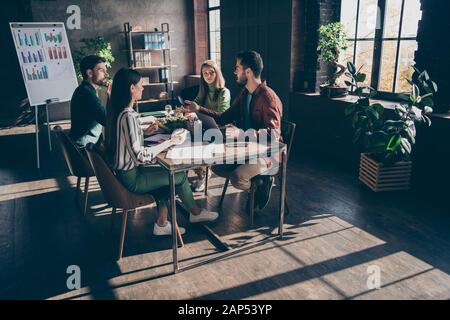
<point>122,232</point>
<point>251,205</point>
<point>78,184</point>
<point>86,195</point>
<point>113,214</point>
<point>224,191</point>
<point>180,238</point>
<point>206,181</point>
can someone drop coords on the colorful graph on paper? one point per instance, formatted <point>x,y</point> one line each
<point>36,73</point>
<point>45,59</point>
<point>29,39</point>
<point>53,37</point>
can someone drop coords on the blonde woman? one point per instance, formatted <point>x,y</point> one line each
<point>213,99</point>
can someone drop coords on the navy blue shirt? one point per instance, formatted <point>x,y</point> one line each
<point>88,115</point>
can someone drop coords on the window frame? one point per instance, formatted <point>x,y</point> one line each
<point>208,11</point>
<point>378,46</point>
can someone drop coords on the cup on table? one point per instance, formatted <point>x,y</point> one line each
<point>168,109</point>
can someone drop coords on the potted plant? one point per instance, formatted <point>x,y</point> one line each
<point>97,46</point>
<point>332,41</point>
<point>387,144</point>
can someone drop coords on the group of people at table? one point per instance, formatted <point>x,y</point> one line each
<point>256,107</point>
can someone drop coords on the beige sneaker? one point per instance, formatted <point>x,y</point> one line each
<point>166,230</point>
<point>204,216</point>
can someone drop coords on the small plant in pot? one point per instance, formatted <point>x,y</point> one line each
<point>387,144</point>
<point>332,41</point>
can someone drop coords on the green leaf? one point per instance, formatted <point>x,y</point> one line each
<point>350,84</point>
<point>415,92</point>
<point>400,108</point>
<point>403,97</point>
<point>395,124</point>
<point>379,108</point>
<point>427,120</point>
<point>406,144</point>
<point>365,102</point>
<point>351,68</point>
<point>373,113</point>
<point>424,76</point>
<point>360,77</point>
<point>406,134</point>
<point>427,102</point>
<point>433,85</point>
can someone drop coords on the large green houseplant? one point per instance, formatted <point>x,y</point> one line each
<point>97,46</point>
<point>332,40</point>
<point>389,141</point>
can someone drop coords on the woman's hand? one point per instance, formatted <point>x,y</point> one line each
<point>179,136</point>
<point>152,129</point>
<point>192,106</point>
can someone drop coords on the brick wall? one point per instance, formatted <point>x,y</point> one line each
<point>313,13</point>
<point>434,50</point>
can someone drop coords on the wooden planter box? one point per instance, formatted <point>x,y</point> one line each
<point>380,177</point>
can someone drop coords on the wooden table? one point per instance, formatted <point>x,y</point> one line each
<point>231,154</point>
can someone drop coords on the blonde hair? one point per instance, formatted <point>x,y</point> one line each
<point>219,83</point>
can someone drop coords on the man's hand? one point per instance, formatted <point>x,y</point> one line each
<point>192,106</point>
<point>108,86</point>
<point>232,132</point>
<point>192,116</point>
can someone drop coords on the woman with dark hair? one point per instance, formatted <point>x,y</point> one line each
<point>125,147</point>
<point>213,99</point>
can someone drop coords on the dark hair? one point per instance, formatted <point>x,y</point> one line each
<point>120,99</point>
<point>89,63</point>
<point>252,60</point>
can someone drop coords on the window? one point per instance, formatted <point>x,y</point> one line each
<point>382,39</point>
<point>214,30</point>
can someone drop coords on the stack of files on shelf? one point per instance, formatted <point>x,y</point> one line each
<point>142,59</point>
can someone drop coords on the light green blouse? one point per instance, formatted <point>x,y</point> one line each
<point>221,104</point>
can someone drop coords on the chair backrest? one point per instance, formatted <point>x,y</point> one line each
<point>288,132</point>
<point>76,159</point>
<point>113,191</point>
<point>189,93</point>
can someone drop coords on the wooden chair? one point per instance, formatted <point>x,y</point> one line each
<point>77,163</point>
<point>287,132</point>
<point>117,196</point>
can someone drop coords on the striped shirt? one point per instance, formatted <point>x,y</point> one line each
<point>130,150</point>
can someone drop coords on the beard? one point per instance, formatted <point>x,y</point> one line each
<point>102,82</point>
<point>242,80</point>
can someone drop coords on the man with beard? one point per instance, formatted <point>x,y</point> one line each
<point>257,107</point>
<point>87,112</point>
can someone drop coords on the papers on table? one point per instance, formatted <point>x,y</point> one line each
<point>188,151</point>
<point>146,120</point>
<point>158,138</point>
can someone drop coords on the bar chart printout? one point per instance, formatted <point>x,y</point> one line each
<point>45,59</point>
<point>36,73</point>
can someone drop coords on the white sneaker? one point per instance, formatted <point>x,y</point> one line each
<point>166,230</point>
<point>200,185</point>
<point>204,216</point>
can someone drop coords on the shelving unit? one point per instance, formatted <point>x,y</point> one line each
<point>150,52</point>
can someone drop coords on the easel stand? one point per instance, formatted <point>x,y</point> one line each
<point>36,111</point>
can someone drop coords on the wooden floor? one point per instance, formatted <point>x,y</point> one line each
<point>337,231</point>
